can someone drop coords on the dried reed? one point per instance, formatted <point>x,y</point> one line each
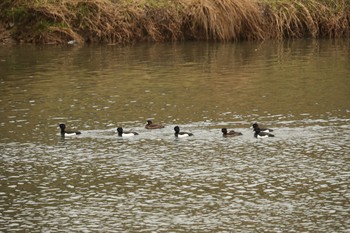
<point>126,21</point>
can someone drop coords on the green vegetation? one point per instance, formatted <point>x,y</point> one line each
<point>128,21</point>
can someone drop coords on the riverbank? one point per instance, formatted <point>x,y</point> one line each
<point>125,21</point>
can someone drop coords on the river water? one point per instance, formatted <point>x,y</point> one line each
<point>297,181</point>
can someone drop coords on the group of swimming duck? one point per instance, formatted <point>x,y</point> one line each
<point>258,132</point>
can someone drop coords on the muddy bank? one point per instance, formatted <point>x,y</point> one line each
<point>124,22</point>
<point>5,36</point>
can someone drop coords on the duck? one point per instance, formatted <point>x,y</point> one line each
<point>150,125</point>
<point>231,133</point>
<point>65,132</point>
<point>266,130</point>
<point>259,134</point>
<point>179,134</point>
<point>121,133</point>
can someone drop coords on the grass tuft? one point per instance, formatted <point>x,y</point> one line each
<point>129,21</point>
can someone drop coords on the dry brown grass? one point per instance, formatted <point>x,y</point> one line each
<point>313,18</point>
<point>223,20</point>
<point>127,21</point>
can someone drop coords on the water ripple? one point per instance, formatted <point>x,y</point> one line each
<point>158,183</point>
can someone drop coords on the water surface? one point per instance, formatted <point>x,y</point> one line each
<point>296,181</point>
